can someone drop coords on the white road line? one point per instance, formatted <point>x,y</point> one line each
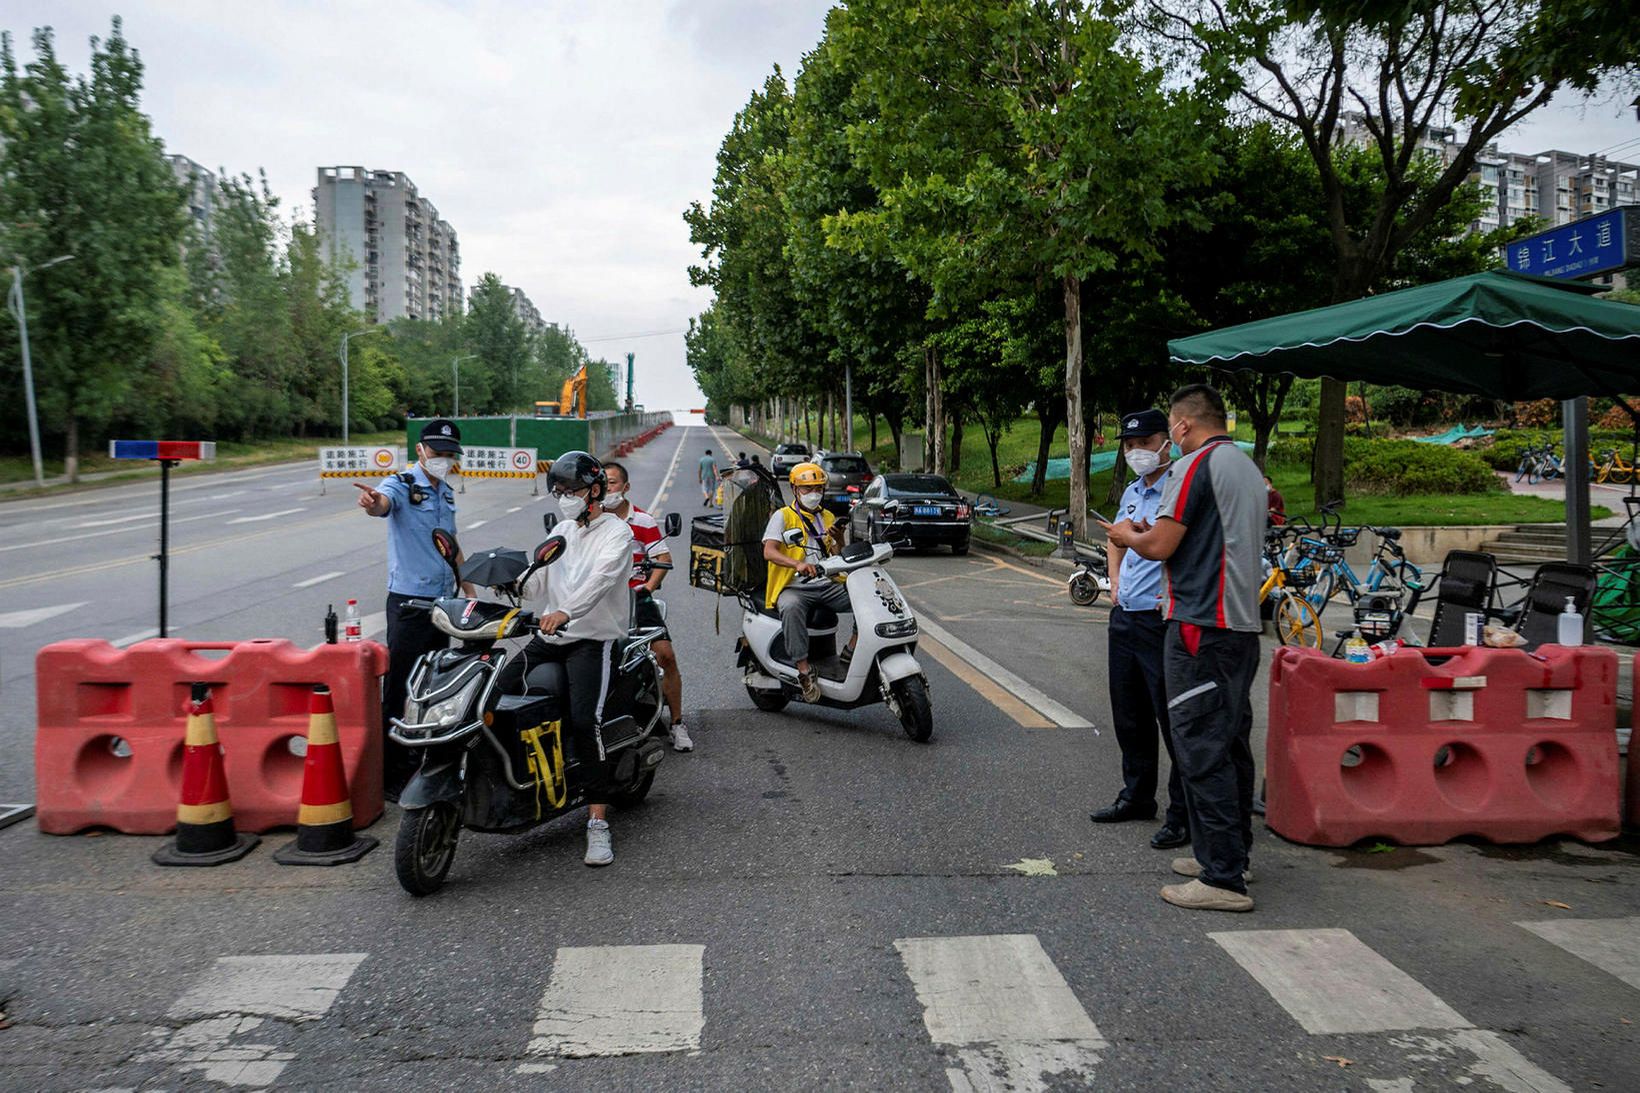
<point>475,525</point>
<point>372,625</point>
<point>621,1000</point>
<point>118,520</point>
<point>16,620</point>
<point>114,531</point>
<point>1001,1002</point>
<point>267,516</point>
<point>234,997</point>
<point>515,508</point>
<point>1610,944</point>
<point>320,579</point>
<point>671,469</point>
<point>140,635</point>
<point>1062,716</point>
<point>1331,982</point>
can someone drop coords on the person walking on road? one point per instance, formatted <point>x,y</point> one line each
<point>413,502</point>
<point>649,542</point>
<point>1208,531</point>
<point>1138,690</point>
<point>708,478</point>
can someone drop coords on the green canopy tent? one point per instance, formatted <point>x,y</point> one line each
<point>1499,334</point>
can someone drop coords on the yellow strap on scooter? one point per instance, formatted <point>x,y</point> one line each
<point>548,771</point>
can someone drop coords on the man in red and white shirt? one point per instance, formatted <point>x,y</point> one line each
<point>649,542</point>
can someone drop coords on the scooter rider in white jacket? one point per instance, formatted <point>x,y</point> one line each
<point>583,603</point>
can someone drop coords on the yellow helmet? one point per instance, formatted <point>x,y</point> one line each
<point>808,474</point>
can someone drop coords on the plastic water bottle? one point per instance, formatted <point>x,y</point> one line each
<point>352,627</point>
<point>1571,623</point>
<point>1356,650</point>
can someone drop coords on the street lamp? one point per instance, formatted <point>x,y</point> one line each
<point>14,301</point>
<point>345,339</point>
<point>456,373</point>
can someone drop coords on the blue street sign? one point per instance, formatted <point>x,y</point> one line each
<point>1583,248</point>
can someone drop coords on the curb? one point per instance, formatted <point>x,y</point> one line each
<point>987,547</point>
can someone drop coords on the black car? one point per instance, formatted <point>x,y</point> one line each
<point>847,476</point>
<point>924,508</point>
<point>787,456</point>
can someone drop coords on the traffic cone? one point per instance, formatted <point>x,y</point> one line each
<point>205,834</point>
<point>324,823</point>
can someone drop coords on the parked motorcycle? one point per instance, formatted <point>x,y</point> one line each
<point>1090,577</point>
<point>499,762</point>
<point>883,667</point>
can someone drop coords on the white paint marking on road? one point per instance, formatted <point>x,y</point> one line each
<point>1495,1060</point>
<point>140,635</point>
<point>113,531</point>
<point>475,525</point>
<point>235,997</point>
<point>1331,982</point>
<point>222,496</point>
<point>1610,944</point>
<point>117,520</point>
<point>1001,1002</point>
<point>267,516</point>
<point>320,579</point>
<point>515,508</point>
<point>16,620</point>
<point>671,469</point>
<point>622,1000</point>
<point>1062,716</point>
<point>372,625</point>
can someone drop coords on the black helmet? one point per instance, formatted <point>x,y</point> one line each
<point>578,471</point>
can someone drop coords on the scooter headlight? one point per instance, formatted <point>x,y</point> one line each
<point>899,628</point>
<point>451,709</point>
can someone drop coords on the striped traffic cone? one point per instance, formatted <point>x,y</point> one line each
<point>205,834</point>
<point>324,823</point>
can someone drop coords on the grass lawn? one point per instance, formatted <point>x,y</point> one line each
<point>993,534</point>
<point>20,468</point>
<point>1018,448</point>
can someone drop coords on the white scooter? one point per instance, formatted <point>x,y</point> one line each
<point>883,667</point>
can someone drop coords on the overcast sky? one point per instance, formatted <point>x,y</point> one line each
<point>561,140</point>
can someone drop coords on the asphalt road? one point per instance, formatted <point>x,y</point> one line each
<point>809,900</point>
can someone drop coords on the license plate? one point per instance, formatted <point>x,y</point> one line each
<point>925,510</point>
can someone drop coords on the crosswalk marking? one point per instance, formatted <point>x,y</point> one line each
<point>1331,982</point>
<point>1610,944</point>
<point>1000,1000</point>
<point>621,1000</point>
<point>234,997</point>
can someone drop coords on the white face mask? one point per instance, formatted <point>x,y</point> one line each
<point>809,501</point>
<point>1144,461</point>
<point>614,500</point>
<point>572,505</point>
<point>438,466</point>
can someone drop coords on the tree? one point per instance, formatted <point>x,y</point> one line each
<point>503,344</point>
<point>1387,75</point>
<point>81,174</point>
<point>1066,145</point>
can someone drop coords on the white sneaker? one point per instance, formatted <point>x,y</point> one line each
<point>599,850</point>
<point>680,738</point>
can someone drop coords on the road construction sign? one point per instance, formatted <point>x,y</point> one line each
<point>476,462</point>
<point>373,462</point>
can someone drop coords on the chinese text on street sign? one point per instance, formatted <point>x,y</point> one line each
<point>1583,248</point>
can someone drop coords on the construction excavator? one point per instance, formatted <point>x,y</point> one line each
<point>573,398</point>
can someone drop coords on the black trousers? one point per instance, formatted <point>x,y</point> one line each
<point>588,664</point>
<point>1209,680</point>
<point>1138,709</point>
<point>409,635</point>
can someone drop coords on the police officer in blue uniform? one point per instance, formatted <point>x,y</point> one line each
<point>414,502</point>
<point>1138,691</point>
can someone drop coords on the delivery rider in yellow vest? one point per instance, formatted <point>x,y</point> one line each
<point>796,537</point>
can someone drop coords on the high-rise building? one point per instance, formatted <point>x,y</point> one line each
<point>402,259</point>
<point>526,310</point>
<point>201,186</point>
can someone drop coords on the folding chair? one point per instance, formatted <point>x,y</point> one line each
<point>1546,600</point>
<point>1467,580</point>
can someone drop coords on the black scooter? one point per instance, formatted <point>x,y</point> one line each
<point>503,763</point>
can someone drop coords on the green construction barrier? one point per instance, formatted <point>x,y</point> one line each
<point>549,436</point>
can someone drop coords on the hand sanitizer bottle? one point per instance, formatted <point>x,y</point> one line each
<point>1571,624</point>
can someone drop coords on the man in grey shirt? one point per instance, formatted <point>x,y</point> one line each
<point>1208,533</point>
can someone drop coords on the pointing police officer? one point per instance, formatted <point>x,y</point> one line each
<point>1138,698</point>
<point>414,502</point>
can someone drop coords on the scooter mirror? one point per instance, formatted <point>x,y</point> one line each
<point>445,543</point>
<point>674,525</point>
<point>550,551</point>
<point>793,537</point>
<point>549,520</point>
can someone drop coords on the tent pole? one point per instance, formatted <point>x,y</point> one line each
<point>1574,414</point>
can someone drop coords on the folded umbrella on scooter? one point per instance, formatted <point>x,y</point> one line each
<point>495,568</point>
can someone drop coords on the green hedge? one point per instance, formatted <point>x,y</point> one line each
<point>1398,467</point>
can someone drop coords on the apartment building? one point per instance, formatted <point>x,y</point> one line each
<point>401,258</point>
<point>201,185</point>
<point>526,310</point>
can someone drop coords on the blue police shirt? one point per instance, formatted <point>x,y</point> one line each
<point>414,567</point>
<point>1139,584</point>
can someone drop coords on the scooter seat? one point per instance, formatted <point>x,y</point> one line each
<point>821,618</point>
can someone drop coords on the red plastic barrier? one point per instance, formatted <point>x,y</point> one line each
<point>1497,743</point>
<point>109,741</point>
<point>1633,811</point>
